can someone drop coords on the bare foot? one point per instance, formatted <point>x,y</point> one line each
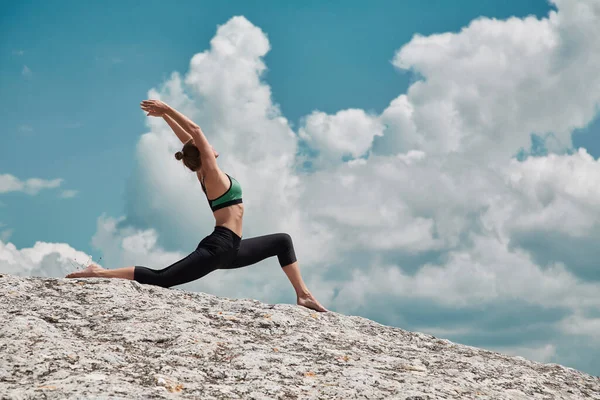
<point>91,271</point>
<point>309,301</point>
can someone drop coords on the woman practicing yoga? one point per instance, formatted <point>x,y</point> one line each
<point>224,248</point>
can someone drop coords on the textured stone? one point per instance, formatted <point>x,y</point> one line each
<point>100,338</point>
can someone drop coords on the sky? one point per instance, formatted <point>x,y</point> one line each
<point>435,164</point>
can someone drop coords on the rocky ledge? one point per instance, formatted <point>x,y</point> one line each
<point>99,338</point>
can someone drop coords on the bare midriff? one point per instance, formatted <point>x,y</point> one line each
<point>231,218</point>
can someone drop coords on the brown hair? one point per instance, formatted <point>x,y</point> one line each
<point>190,155</point>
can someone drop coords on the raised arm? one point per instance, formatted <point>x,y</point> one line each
<point>157,107</point>
<point>179,131</point>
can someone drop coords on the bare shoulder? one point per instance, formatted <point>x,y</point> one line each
<point>213,179</point>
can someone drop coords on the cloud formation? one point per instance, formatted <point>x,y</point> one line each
<point>31,186</point>
<point>68,194</point>
<point>43,259</point>
<point>348,133</point>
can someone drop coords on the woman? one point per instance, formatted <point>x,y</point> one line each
<point>224,247</point>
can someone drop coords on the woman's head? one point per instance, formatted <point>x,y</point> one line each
<point>190,156</point>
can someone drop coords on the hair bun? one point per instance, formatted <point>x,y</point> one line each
<point>179,155</point>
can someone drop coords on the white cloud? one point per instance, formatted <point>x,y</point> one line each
<point>437,212</point>
<point>127,246</point>
<point>43,259</point>
<point>18,52</point>
<point>481,274</point>
<point>347,133</point>
<point>9,183</point>
<point>545,353</point>
<point>68,194</point>
<point>580,325</point>
<point>400,134</point>
<point>486,88</point>
<point>32,186</point>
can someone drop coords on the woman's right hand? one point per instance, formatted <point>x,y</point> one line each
<point>154,108</point>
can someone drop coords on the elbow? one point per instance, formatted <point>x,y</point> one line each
<point>197,133</point>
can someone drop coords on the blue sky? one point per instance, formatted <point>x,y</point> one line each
<point>72,75</point>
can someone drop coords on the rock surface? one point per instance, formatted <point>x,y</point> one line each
<point>100,338</point>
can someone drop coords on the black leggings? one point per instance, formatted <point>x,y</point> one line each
<point>222,249</point>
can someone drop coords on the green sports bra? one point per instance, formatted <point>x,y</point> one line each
<point>232,196</point>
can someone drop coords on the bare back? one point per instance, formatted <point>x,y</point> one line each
<point>216,184</point>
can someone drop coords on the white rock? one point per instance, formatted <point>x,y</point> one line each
<point>100,338</point>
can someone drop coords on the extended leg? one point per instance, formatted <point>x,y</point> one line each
<point>192,267</point>
<point>259,248</point>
